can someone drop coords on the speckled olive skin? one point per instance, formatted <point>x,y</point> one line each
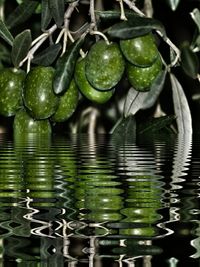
<point>140,51</point>
<point>67,104</point>
<point>11,86</point>
<point>99,97</point>
<point>23,124</point>
<point>142,78</point>
<point>104,65</point>
<point>38,94</point>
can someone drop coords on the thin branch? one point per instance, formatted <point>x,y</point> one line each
<point>92,16</point>
<point>122,16</point>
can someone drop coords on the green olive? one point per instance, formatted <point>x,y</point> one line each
<point>11,85</point>
<point>24,124</point>
<point>104,65</point>
<point>38,95</point>
<point>140,51</point>
<point>142,78</point>
<point>67,104</point>
<point>86,89</point>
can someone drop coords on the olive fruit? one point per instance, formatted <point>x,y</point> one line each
<point>140,51</point>
<point>24,124</point>
<point>11,85</point>
<point>104,65</point>
<point>86,89</point>
<point>67,104</point>
<point>142,78</point>
<point>38,94</point>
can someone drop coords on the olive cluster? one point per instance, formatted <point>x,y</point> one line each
<point>31,98</point>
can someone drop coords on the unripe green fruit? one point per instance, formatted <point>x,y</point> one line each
<point>86,89</point>
<point>39,97</point>
<point>11,85</point>
<point>67,104</point>
<point>140,51</point>
<point>24,124</point>
<point>142,78</point>
<point>104,65</point>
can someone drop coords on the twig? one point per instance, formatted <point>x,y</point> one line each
<point>122,16</point>
<point>44,36</point>
<point>132,6</point>
<point>35,45</point>
<point>93,24</point>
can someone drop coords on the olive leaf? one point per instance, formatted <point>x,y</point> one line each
<point>136,100</point>
<point>57,9</point>
<point>135,26</point>
<point>5,33</point>
<point>21,45</point>
<point>181,107</point>
<point>65,67</point>
<point>45,14</point>
<point>22,13</point>
<point>189,61</point>
<point>4,56</point>
<point>156,124</point>
<point>47,56</point>
<point>173,4</point>
<point>124,130</point>
<point>107,15</point>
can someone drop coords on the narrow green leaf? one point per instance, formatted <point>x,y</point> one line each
<point>125,130</point>
<point>5,33</point>
<point>189,61</point>
<point>156,124</point>
<point>181,107</point>
<point>65,67</point>
<point>45,14</point>
<point>173,4</point>
<point>136,26</point>
<point>57,8</point>
<point>136,100</point>
<point>47,56</point>
<point>22,13</point>
<point>21,45</point>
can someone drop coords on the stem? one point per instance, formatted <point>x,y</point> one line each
<point>102,35</point>
<point>132,6</point>
<point>92,15</point>
<point>123,15</point>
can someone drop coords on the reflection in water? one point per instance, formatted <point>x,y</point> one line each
<point>83,202</point>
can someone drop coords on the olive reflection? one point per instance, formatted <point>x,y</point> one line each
<point>11,172</point>
<point>98,199</point>
<point>98,195</point>
<point>38,165</point>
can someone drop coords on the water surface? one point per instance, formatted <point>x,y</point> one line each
<point>88,201</point>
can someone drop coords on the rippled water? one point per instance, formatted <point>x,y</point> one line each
<point>87,201</point>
